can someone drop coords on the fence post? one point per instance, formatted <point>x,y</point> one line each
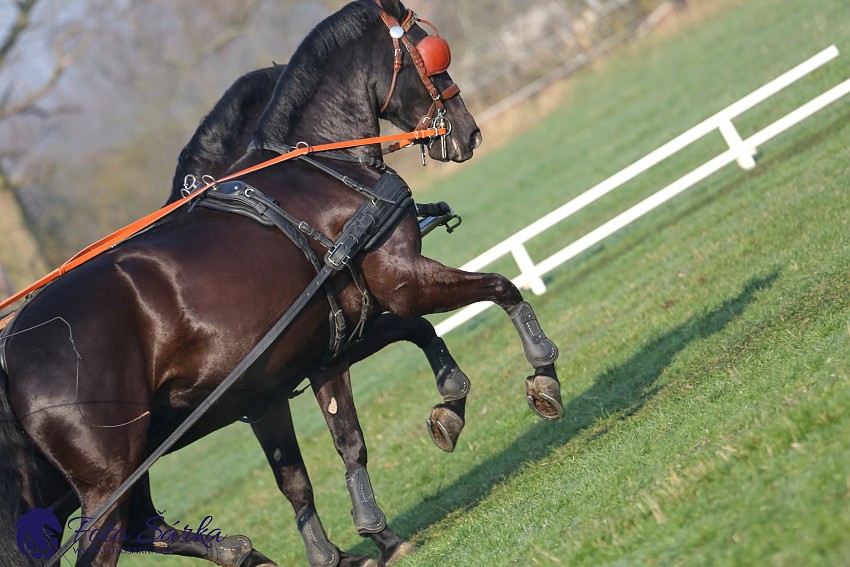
<point>528,269</point>
<point>746,158</point>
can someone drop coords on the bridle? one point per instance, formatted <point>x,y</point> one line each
<point>430,56</point>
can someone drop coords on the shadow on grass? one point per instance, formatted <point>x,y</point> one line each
<point>623,391</point>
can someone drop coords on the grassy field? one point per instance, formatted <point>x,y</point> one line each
<point>705,350</point>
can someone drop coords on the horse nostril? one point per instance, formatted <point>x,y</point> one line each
<point>475,139</point>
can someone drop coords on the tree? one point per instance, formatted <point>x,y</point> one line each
<point>30,71</point>
<point>106,58</point>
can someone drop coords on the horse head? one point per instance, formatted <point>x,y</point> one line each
<point>420,65</point>
<point>370,60</point>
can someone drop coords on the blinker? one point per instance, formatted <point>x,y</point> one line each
<point>435,53</point>
<point>434,50</point>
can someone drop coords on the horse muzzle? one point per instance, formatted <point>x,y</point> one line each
<point>455,146</point>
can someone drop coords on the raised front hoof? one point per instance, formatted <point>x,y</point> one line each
<point>403,550</point>
<point>445,426</point>
<point>544,397</point>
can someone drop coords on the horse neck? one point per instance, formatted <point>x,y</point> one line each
<point>341,108</point>
<point>218,143</point>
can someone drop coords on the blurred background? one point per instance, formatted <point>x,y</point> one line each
<point>97,97</point>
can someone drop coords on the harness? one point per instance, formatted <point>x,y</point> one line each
<point>380,212</point>
<point>374,218</point>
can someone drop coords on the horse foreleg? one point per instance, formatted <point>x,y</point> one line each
<point>447,419</point>
<point>276,435</point>
<point>332,387</point>
<point>427,286</point>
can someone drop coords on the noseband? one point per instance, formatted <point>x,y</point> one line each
<point>438,61</point>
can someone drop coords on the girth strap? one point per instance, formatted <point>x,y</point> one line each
<point>372,219</point>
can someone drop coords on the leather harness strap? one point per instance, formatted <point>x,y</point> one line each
<point>4,325</point>
<point>397,56</point>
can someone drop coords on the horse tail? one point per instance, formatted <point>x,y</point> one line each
<point>18,460</point>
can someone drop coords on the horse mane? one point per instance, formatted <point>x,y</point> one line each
<point>215,142</point>
<point>303,73</point>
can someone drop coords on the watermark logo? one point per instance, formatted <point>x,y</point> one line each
<point>39,533</point>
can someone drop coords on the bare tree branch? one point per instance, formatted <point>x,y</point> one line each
<point>63,59</point>
<point>234,25</point>
<point>25,8</point>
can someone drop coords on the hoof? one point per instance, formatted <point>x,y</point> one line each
<point>445,426</point>
<point>544,397</point>
<point>231,551</point>
<point>406,548</point>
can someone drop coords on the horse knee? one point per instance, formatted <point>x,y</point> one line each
<point>505,292</point>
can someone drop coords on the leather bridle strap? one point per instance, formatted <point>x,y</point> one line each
<point>436,95</point>
<point>397,57</point>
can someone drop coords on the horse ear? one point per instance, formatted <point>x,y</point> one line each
<point>392,7</point>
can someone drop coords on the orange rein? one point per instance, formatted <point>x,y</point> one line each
<point>122,234</point>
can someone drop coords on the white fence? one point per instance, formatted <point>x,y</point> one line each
<point>740,150</point>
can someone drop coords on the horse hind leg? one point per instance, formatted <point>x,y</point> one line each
<point>99,543</point>
<point>98,462</point>
<point>149,533</point>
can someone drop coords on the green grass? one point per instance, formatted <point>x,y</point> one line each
<point>704,349</point>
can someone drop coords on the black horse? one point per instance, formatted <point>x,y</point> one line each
<point>116,352</point>
<point>224,135</point>
<point>221,138</point>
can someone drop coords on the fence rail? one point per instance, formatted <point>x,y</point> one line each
<point>740,150</point>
